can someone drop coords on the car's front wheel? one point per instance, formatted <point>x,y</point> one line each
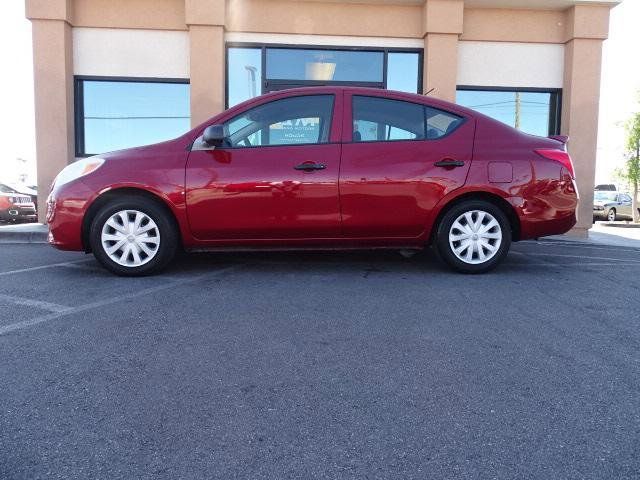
<point>473,236</point>
<point>611,216</point>
<point>133,236</point>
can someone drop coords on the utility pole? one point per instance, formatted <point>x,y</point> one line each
<point>517,119</point>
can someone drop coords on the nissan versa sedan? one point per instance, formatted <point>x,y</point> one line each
<point>320,168</point>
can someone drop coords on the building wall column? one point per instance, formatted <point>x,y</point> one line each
<point>587,27</point>
<point>206,19</point>
<point>442,28</point>
<point>53,84</point>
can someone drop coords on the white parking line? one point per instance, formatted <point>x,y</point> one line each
<point>28,302</point>
<point>578,256</point>
<point>572,264</point>
<point>100,303</point>
<point>32,269</point>
<point>580,245</point>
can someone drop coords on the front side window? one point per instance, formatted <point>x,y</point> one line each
<point>534,112</point>
<point>382,119</point>
<point>114,114</point>
<point>289,121</point>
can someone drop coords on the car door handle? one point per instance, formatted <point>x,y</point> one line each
<point>308,167</point>
<point>449,162</point>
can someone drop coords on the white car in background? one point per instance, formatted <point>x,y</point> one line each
<point>612,206</point>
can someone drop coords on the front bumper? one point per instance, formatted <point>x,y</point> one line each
<point>19,212</point>
<point>66,207</point>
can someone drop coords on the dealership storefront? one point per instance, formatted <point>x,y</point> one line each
<point>113,74</point>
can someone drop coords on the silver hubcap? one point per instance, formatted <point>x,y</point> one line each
<point>130,238</point>
<point>475,237</point>
<point>612,215</point>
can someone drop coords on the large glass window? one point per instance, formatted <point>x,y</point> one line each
<point>403,72</point>
<point>244,74</point>
<point>324,65</point>
<point>111,115</point>
<point>290,121</point>
<point>534,112</point>
<point>254,70</point>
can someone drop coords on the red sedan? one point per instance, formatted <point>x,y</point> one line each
<point>320,168</point>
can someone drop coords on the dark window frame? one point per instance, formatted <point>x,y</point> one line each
<point>555,100</point>
<point>284,83</point>
<point>78,101</point>
<point>463,120</point>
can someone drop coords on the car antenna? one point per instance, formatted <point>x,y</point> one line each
<point>429,91</point>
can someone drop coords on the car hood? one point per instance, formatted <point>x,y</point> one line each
<point>128,153</point>
<point>597,203</point>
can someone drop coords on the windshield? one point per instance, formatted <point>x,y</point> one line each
<point>6,189</point>
<point>605,196</point>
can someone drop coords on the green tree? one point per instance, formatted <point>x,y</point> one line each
<point>631,170</point>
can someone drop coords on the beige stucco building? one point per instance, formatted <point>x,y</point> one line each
<point>107,68</point>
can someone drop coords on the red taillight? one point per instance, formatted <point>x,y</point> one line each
<point>559,156</point>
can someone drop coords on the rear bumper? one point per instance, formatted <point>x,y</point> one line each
<point>66,207</point>
<point>550,211</point>
<point>542,228</point>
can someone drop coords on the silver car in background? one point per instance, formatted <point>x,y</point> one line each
<point>612,206</point>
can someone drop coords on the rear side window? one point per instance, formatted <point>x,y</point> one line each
<point>440,123</point>
<point>377,119</point>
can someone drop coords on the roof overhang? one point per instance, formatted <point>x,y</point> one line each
<point>536,4</point>
<point>516,4</point>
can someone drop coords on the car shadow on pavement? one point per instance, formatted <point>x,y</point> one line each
<point>317,261</point>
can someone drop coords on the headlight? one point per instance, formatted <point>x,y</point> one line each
<point>78,169</point>
<point>598,207</point>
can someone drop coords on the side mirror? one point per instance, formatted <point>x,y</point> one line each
<point>213,135</point>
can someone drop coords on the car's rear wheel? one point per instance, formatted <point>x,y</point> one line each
<point>474,236</point>
<point>133,236</point>
<point>611,216</point>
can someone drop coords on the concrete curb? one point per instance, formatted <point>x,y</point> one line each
<point>621,225</point>
<point>31,233</point>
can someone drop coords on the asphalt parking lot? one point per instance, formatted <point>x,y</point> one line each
<point>322,365</point>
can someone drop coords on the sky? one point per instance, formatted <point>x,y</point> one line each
<point>618,100</point>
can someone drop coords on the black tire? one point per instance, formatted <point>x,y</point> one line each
<point>444,249</point>
<point>609,215</point>
<point>168,233</point>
